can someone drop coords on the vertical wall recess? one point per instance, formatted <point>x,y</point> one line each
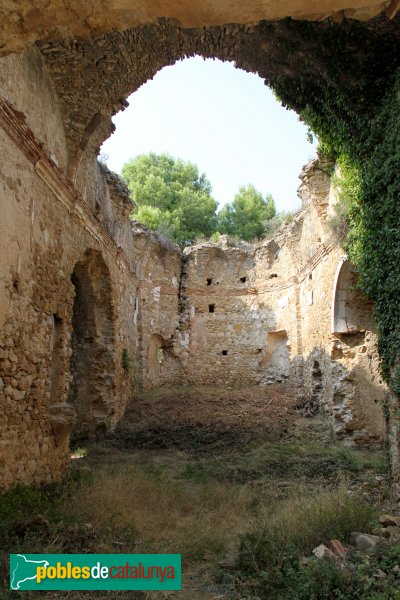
<point>57,367</point>
<point>92,361</point>
<point>277,354</point>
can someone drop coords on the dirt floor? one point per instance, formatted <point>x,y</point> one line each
<point>200,418</point>
<point>193,471</point>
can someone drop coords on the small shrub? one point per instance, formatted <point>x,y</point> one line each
<point>313,579</point>
<point>273,225</point>
<point>214,238</point>
<point>338,223</point>
<point>126,360</point>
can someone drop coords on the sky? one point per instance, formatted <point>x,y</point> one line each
<point>224,120</point>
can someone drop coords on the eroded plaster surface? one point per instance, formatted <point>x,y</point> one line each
<point>23,22</point>
<point>93,307</point>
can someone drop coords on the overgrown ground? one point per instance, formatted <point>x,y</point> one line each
<point>236,481</point>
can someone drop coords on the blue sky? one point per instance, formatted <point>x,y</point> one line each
<point>224,120</point>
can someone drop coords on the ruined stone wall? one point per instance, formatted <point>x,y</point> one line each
<point>341,369</point>
<point>234,313</point>
<point>49,237</point>
<point>158,270</point>
<point>244,305</point>
<point>264,314</point>
<point>90,310</point>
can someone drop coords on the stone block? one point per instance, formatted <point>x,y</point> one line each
<point>365,542</point>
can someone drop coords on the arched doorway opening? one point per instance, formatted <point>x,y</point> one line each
<point>92,360</point>
<point>352,310</point>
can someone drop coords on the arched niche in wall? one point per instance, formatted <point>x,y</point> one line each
<point>156,357</point>
<point>351,309</point>
<point>276,360</point>
<point>92,361</point>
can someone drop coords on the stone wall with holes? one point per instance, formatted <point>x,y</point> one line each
<point>49,237</point>
<point>251,308</point>
<point>240,314</point>
<point>90,309</point>
<point>264,314</point>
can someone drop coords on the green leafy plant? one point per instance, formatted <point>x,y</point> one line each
<point>352,104</point>
<point>126,360</point>
<point>171,196</point>
<point>246,215</point>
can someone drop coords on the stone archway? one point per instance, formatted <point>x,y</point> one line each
<point>51,19</point>
<point>351,309</point>
<point>92,361</point>
<point>94,76</point>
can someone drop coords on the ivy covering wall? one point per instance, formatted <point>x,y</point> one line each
<point>346,87</point>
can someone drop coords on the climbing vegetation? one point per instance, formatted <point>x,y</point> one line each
<point>347,89</point>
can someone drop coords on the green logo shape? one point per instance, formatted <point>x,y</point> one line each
<point>95,571</point>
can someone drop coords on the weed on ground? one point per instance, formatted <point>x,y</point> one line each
<point>245,508</point>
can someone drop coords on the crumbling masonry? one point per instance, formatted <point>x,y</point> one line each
<point>91,306</point>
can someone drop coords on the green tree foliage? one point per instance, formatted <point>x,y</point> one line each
<point>171,196</point>
<point>248,214</point>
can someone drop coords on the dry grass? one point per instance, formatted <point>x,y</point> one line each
<point>211,474</point>
<point>205,520</point>
<point>304,521</point>
<point>156,514</point>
